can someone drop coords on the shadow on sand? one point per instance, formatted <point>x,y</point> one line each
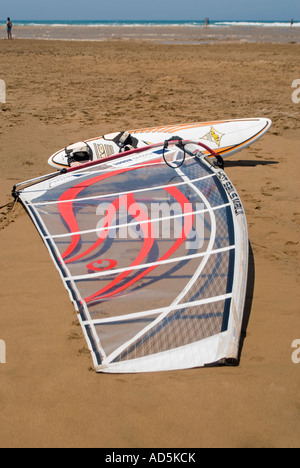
<point>248,163</point>
<point>249,299</point>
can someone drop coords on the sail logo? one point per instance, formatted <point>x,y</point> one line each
<point>296,353</point>
<point>2,92</point>
<point>296,93</point>
<point>238,207</point>
<point>2,352</point>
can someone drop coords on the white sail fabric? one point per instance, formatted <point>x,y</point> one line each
<point>154,258</point>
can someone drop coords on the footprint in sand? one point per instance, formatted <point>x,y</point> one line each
<point>296,218</point>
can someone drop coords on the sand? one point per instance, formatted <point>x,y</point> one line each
<point>161,34</point>
<point>59,92</point>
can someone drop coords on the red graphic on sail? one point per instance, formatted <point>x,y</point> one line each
<point>102,265</point>
<point>187,210</point>
<point>138,214</point>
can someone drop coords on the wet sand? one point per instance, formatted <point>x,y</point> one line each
<point>162,34</point>
<point>59,92</point>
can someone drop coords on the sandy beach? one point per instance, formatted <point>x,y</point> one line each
<point>59,92</point>
<point>167,34</point>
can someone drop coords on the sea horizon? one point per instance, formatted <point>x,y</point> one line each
<point>136,23</point>
<point>160,31</point>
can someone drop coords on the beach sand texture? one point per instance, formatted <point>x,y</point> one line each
<point>161,33</point>
<point>59,92</point>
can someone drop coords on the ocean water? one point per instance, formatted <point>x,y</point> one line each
<point>144,23</point>
<point>167,32</point>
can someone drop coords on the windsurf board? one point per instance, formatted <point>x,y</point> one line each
<point>225,137</point>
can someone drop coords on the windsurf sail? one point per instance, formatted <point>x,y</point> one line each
<point>152,246</point>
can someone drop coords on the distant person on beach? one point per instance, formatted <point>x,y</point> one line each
<point>292,22</point>
<point>206,22</point>
<point>9,28</point>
